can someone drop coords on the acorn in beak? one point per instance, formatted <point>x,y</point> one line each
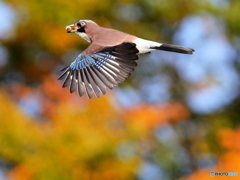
<point>71,28</point>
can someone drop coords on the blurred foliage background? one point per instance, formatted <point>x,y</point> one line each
<point>176,117</point>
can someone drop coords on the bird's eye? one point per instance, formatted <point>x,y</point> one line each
<point>83,23</point>
<point>78,24</point>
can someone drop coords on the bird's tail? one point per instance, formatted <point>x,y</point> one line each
<point>174,48</point>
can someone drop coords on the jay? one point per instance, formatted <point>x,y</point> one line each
<point>108,60</point>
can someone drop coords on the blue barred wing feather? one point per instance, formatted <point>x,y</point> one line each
<point>95,73</point>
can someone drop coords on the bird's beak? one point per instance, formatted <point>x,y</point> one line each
<point>71,28</point>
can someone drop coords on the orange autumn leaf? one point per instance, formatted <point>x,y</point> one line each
<point>151,116</point>
<point>20,172</point>
<point>230,139</point>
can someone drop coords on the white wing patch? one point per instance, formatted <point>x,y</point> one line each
<point>144,46</point>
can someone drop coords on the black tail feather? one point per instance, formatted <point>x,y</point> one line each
<point>174,48</point>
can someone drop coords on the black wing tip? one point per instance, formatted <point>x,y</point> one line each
<point>64,68</point>
<point>64,86</point>
<point>71,91</point>
<point>76,86</point>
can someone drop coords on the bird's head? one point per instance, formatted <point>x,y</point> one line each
<point>82,28</point>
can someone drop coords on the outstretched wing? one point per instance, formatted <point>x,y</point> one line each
<point>105,69</point>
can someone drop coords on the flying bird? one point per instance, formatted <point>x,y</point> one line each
<point>108,60</point>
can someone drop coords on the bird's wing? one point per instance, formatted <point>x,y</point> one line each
<point>95,72</point>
